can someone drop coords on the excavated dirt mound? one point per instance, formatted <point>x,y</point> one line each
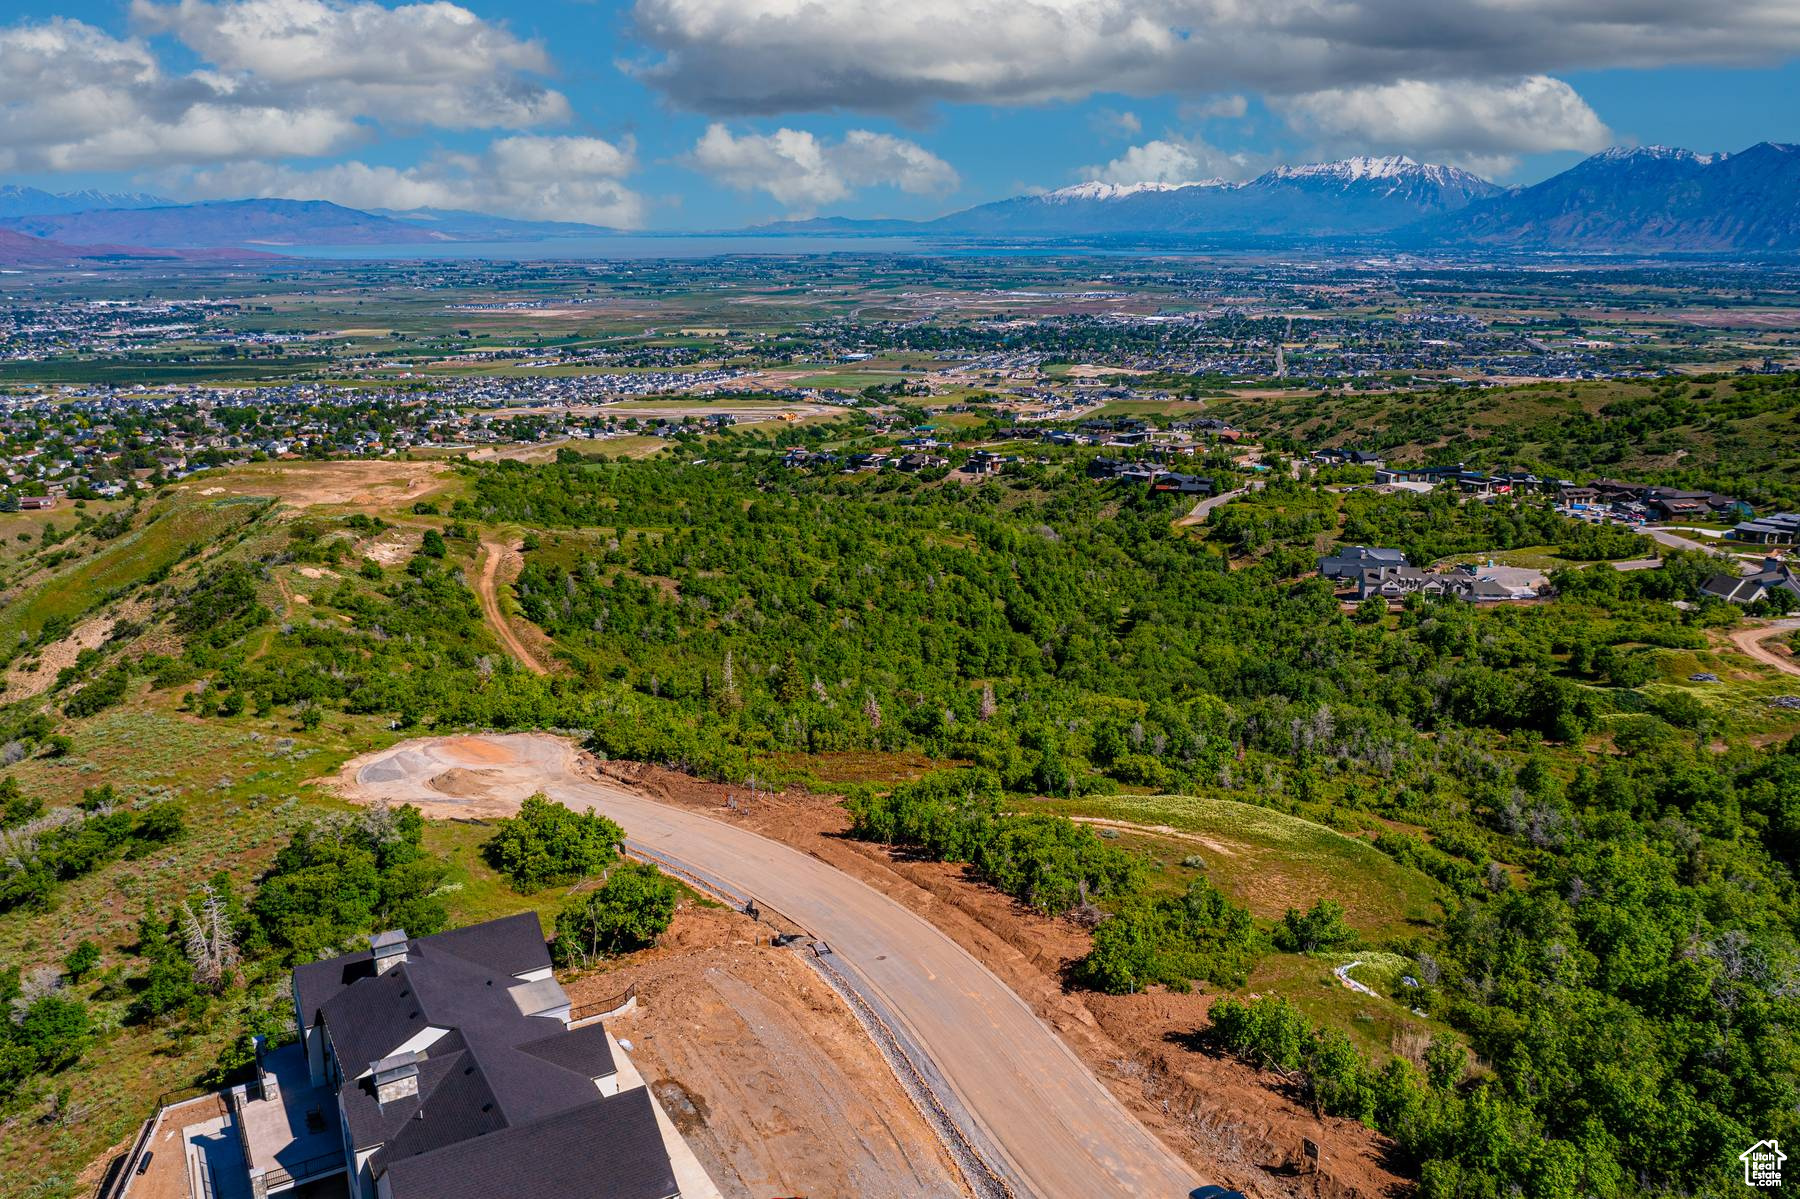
<point>769,1077</point>
<point>465,784</point>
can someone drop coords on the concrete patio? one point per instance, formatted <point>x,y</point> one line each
<point>287,1127</point>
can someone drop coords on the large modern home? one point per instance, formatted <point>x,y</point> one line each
<point>450,1067</point>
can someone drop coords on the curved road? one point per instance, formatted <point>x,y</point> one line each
<point>1061,1132</point>
<point>1057,1131</point>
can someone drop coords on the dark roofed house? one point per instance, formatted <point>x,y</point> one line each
<point>1352,560</point>
<point>1183,484</point>
<point>456,1070</point>
<point>1781,528</point>
<point>1776,575</point>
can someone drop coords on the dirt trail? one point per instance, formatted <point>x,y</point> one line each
<point>487,590</point>
<point>1040,1112</point>
<point>1750,641</point>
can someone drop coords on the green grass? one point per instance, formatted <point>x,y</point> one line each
<point>1376,1023</point>
<point>242,785</point>
<point>172,531</point>
<point>1270,861</point>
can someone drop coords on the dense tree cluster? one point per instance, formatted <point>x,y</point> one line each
<point>628,911</point>
<point>548,845</point>
<point>337,878</point>
<point>1049,862</point>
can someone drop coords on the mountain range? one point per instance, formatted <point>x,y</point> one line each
<point>30,201</point>
<point>1652,198</point>
<point>1649,199</point>
<point>1320,200</point>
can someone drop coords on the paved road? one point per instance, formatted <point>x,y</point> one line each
<point>1205,506</point>
<point>1060,1132</point>
<point>1676,541</point>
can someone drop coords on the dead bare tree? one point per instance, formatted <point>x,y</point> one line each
<point>211,948</point>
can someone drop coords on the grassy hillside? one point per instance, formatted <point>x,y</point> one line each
<point>1732,433</point>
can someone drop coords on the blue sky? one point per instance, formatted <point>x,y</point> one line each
<point>721,113</point>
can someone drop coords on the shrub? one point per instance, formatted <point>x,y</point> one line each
<point>630,910</point>
<point>1321,927</point>
<point>548,845</point>
<point>1173,941</point>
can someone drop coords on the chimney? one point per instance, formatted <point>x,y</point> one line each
<point>389,949</point>
<point>396,1077</point>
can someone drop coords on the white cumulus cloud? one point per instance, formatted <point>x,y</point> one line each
<point>275,79</point>
<point>1175,159</point>
<point>802,171</point>
<point>771,57</point>
<point>1478,125</point>
<point>72,97</point>
<point>431,63</point>
<point>528,177</point>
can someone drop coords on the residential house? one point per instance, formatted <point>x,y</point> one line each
<point>1352,560</point>
<point>449,1067</point>
<point>1776,574</point>
<point>1179,484</point>
<point>1781,528</point>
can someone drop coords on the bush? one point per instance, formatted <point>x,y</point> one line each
<point>1321,927</point>
<point>336,879</point>
<point>1172,941</point>
<point>630,910</point>
<point>83,958</point>
<point>1049,862</point>
<point>548,845</point>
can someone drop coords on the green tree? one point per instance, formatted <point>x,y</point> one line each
<point>628,911</point>
<point>548,845</point>
<point>1320,927</point>
<point>83,958</point>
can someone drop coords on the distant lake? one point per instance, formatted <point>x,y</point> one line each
<point>628,246</point>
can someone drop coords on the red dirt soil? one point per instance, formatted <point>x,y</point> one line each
<point>1230,1121</point>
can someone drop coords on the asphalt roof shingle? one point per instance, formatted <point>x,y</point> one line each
<point>611,1149</point>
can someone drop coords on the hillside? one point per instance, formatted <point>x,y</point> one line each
<point>1731,434</point>
<point>182,664</point>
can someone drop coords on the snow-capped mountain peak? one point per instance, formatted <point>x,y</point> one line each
<point>1392,166</point>
<point>1663,153</point>
<point>1094,189</point>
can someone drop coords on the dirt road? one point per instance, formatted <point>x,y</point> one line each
<point>1053,1127</point>
<point>1750,641</point>
<point>487,590</point>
